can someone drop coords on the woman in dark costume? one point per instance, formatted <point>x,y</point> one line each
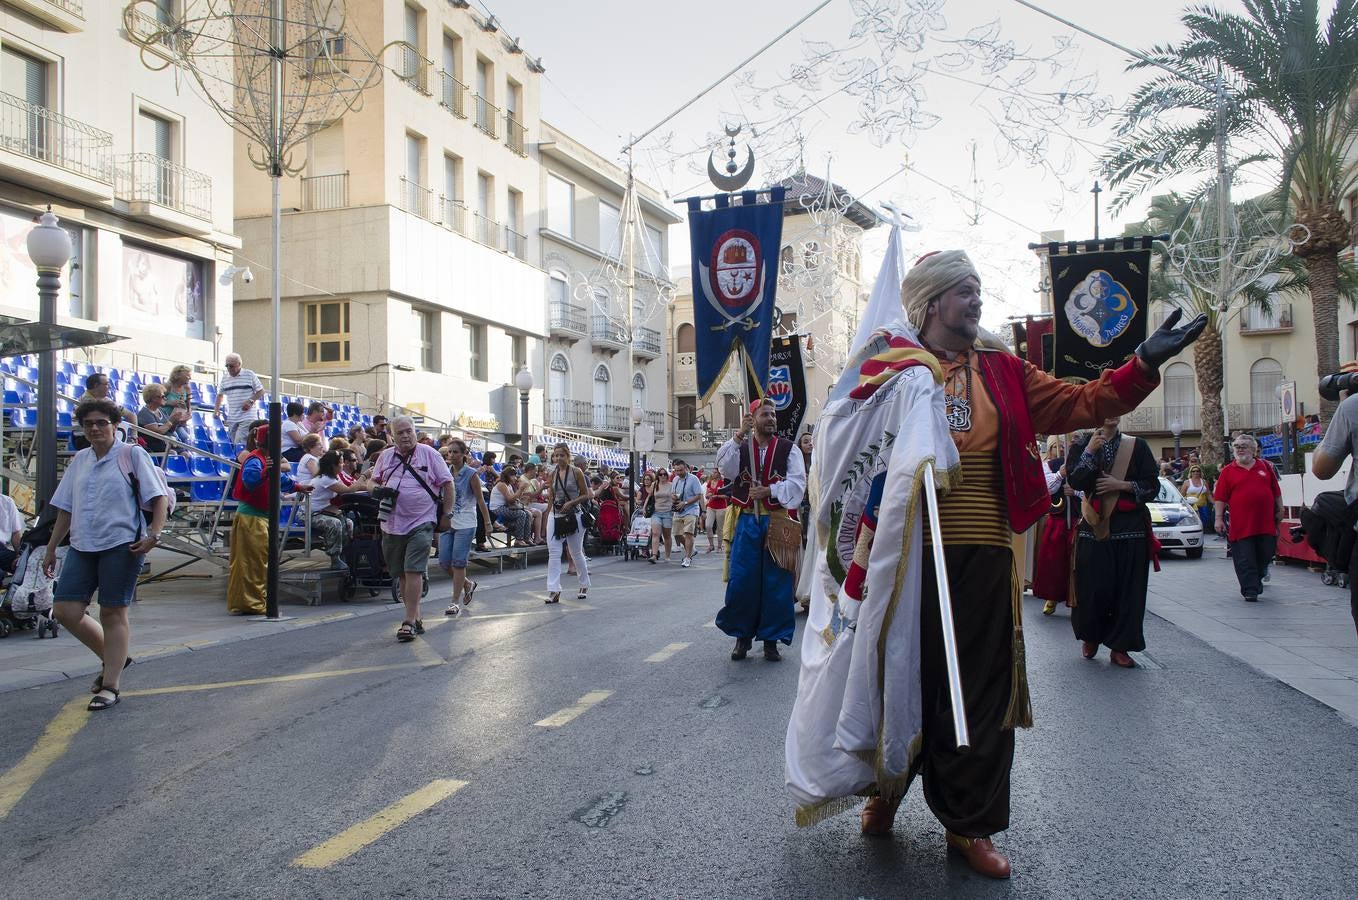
<point>1113,547</point>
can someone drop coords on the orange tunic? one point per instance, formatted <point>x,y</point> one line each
<point>974,512</point>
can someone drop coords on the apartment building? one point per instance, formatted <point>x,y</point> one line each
<point>821,296</point>
<point>138,169</point>
<point>410,243</point>
<point>598,370</point>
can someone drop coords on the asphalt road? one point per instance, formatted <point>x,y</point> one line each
<point>611,749</point>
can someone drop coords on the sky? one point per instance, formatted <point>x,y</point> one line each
<point>615,68</point>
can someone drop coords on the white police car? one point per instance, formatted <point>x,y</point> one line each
<point>1175,522</point>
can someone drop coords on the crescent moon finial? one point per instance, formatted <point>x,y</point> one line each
<point>737,179</point>
<point>732,130</point>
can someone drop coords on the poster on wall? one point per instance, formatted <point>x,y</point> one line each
<point>18,277</point>
<point>162,292</point>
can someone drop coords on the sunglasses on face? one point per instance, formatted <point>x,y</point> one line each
<point>90,424</point>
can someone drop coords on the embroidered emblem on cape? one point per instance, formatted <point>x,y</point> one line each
<point>1100,308</point>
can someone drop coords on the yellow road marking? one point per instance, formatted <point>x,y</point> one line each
<point>425,653</point>
<point>557,719</point>
<point>273,679</point>
<point>354,839</point>
<point>709,624</point>
<point>53,743</point>
<point>645,581</point>
<point>667,651</point>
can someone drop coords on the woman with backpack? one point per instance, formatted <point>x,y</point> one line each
<point>100,501</point>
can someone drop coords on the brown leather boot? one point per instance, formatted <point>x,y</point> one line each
<point>1119,658</point>
<point>1089,649</point>
<point>980,854</point>
<point>879,815</point>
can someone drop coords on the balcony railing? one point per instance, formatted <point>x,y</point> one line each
<point>604,329</point>
<point>1254,320</point>
<point>646,340</point>
<point>486,231</point>
<point>325,191</point>
<point>415,198</point>
<point>147,178</point>
<point>412,68</point>
<point>567,317</point>
<point>452,214</point>
<point>39,133</point>
<point>1264,414</point>
<point>516,243</point>
<point>574,414</point>
<point>656,420</point>
<point>452,95</point>
<point>485,114</point>
<point>515,135</point>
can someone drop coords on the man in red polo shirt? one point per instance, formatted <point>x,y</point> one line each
<point>1250,489</point>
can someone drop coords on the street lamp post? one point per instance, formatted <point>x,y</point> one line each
<point>637,416</point>
<point>1176,428</point>
<point>524,382</point>
<point>49,246</point>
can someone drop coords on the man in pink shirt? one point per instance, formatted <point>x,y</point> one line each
<point>422,504</point>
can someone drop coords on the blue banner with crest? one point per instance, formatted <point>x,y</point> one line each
<point>735,276</point>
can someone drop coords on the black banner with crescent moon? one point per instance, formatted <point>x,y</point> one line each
<point>1100,301</point>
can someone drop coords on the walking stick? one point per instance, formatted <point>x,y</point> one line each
<point>959,710</point>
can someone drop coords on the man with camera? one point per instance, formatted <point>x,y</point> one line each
<point>415,490</point>
<point>1339,443</point>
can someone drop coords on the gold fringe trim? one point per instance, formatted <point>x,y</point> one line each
<point>1020,712</point>
<point>806,816</point>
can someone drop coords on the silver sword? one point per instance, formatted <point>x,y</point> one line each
<point>959,709</point>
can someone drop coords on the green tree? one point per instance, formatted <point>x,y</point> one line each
<point>1288,85</point>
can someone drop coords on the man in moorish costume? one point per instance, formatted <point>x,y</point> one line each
<point>767,479</point>
<point>873,708</point>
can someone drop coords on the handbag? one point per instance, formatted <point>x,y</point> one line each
<point>589,515</point>
<point>784,540</point>
<point>1098,512</point>
<point>564,526</point>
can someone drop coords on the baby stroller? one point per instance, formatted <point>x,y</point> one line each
<point>639,538</point>
<point>28,601</point>
<point>363,552</point>
<point>607,532</point>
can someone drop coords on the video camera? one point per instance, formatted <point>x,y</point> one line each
<point>1331,386</point>
<point>386,500</point>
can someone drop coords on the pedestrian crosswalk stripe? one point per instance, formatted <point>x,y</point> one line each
<point>561,717</point>
<point>667,651</point>
<point>354,839</point>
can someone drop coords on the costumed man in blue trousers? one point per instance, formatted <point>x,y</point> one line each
<point>768,478</point>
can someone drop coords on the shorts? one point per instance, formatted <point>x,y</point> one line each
<point>685,525</point>
<point>455,547</point>
<point>113,572</point>
<point>662,520</point>
<point>408,554</point>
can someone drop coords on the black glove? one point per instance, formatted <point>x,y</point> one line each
<point>1167,341</point>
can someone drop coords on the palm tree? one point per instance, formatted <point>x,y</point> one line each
<point>1289,89</point>
<point>1257,276</point>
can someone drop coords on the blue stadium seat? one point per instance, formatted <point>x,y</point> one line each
<point>208,491</point>
<point>202,467</point>
<point>224,469</point>
<point>177,466</point>
<point>64,419</point>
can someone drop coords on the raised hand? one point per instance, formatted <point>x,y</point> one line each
<point>1167,341</point>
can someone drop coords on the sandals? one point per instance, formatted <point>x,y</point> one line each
<point>453,610</point>
<point>469,591</point>
<point>98,684</point>
<point>99,701</point>
<point>553,597</point>
<point>581,595</point>
<point>406,632</point>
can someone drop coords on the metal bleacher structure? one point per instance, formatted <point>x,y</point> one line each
<point>201,468</point>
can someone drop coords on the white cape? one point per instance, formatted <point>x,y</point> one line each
<point>857,721</point>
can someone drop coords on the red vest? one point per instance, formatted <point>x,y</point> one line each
<point>1025,488</point>
<point>773,470</point>
<point>258,496</point>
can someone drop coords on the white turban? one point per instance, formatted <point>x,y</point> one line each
<point>931,275</point>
